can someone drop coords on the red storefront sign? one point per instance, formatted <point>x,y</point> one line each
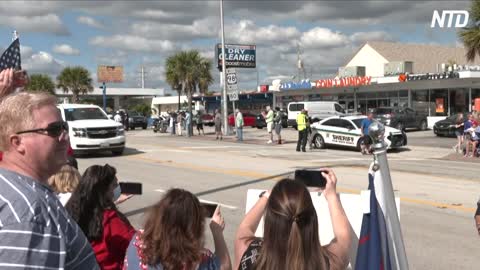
<point>351,81</point>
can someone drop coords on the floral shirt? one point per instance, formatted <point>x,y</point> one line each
<point>133,259</point>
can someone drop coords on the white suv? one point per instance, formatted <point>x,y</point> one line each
<point>91,130</point>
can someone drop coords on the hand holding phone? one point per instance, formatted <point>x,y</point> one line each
<point>131,188</point>
<point>311,178</point>
<point>208,209</point>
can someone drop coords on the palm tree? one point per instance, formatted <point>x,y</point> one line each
<point>40,82</point>
<point>76,80</point>
<point>188,71</point>
<point>206,78</point>
<point>171,76</point>
<point>470,36</point>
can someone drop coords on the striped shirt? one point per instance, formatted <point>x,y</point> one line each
<point>36,232</point>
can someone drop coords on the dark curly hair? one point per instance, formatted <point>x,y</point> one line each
<point>173,234</point>
<point>90,200</point>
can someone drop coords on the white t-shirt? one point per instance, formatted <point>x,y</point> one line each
<point>117,118</point>
<point>64,197</point>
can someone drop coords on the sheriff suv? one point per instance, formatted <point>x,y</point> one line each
<point>346,131</point>
<point>91,130</point>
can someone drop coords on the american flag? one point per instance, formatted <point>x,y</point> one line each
<point>11,57</point>
<point>380,246</point>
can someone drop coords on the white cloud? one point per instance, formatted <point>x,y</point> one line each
<point>44,63</point>
<point>320,38</point>
<point>132,43</point>
<point>48,23</point>
<point>360,38</point>
<point>247,32</point>
<point>90,22</point>
<point>202,28</point>
<point>65,49</point>
<point>26,51</point>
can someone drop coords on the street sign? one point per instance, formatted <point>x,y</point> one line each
<point>233,96</point>
<point>231,79</point>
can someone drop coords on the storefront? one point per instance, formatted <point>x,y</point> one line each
<point>436,97</point>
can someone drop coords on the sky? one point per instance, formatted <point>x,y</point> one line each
<point>132,34</point>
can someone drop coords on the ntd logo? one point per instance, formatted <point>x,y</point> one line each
<point>458,14</point>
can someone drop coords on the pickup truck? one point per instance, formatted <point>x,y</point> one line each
<point>401,118</point>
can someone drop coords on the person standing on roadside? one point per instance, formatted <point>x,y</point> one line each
<point>179,123</point>
<point>239,125</point>
<point>218,124</point>
<point>366,140</point>
<point>278,123</point>
<point>269,120</point>
<point>476,217</point>
<point>458,132</point>
<point>302,130</point>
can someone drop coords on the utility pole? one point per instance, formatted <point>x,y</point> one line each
<point>224,71</point>
<point>300,65</point>
<point>143,74</point>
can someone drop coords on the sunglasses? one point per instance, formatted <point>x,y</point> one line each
<point>54,129</point>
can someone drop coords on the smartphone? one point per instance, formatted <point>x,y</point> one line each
<point>131,188</point>
<point>20,78</point>
<point>209,209</point>
<point>311,178</point>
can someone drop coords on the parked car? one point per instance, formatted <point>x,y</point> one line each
<point>401,118</point>
<point>208,119</point>
<point>249,120</point>
<point>136,119</point>
<point>90,129</point>
<point>446,127</point>
<point>345,131</point>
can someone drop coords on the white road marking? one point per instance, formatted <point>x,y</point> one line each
<point>177,150</point>
<point>206,201</point>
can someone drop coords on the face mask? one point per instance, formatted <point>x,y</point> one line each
<point>116,193</point>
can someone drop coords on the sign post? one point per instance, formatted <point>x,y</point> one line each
<point>106,74</point>
<point>104,94</point>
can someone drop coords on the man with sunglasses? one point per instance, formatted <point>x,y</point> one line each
<point>36,231</point>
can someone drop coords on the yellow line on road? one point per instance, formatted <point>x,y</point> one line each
<point>253,174</point>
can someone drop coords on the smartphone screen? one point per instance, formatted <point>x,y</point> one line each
<point>209,209</point>
<point>131,188</point>
<point>311,178</point>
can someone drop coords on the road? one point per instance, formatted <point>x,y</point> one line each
<point>438,195</point>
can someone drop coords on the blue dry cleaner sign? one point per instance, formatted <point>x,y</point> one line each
<point>241,56</point>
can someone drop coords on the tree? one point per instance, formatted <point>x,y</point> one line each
<point>76,80</point>
<point>188,71</point>
<point>470,35</point>
<point>40,82</point>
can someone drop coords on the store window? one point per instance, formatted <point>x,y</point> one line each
<point>440,98</point>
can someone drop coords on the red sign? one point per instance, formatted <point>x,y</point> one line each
<point>351,81</point>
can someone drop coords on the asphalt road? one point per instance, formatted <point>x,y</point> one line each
<point>438,196</point>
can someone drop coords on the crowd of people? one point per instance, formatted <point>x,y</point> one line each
<point>51,217</point>
<point>467,132</point>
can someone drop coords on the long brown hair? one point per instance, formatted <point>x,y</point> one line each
<point>291,238</point>
<point>173,232</point>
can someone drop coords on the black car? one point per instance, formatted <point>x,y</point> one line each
<point>136,119</point>
<point>446,127</point>
<point>401,118</point>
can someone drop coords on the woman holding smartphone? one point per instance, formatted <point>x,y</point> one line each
<point>173,237</point>
<point>291,239</point>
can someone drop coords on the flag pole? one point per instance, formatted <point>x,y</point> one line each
<point>395,239</point>
<point>223,74</point>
